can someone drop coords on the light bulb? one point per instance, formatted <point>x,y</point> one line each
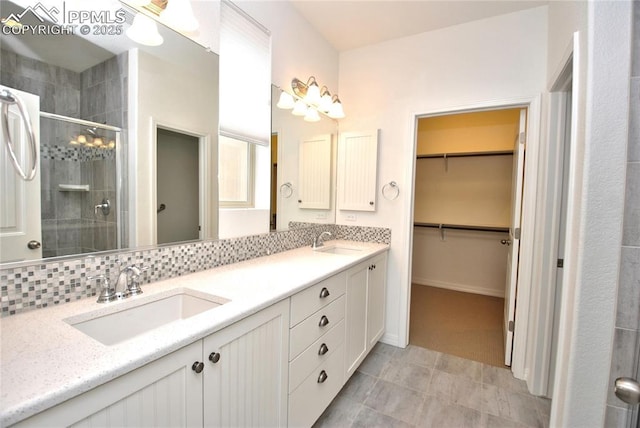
<point>144,31</point>
<point>312,115</point>
<point>313,93</point>
<point>286,101</point>
<point>325,102</point>
<point>179,15</point>
<point>300,108</point>
<point>336,111</point>
<point>81,139</point>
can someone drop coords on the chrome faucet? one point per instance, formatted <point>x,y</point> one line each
<point>127,284</point>
<point>317,241</point>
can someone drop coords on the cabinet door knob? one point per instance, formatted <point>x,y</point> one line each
<point>322,377</point>
<point>323,321</point>
<point>371,203</point>
<point>214,357</point>
<point>324,293</point>
<point>323,349</point>
<point>197,367</point>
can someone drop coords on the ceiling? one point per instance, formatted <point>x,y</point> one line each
<point>350,24</point>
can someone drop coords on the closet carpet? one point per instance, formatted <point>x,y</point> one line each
<point>463,324</point>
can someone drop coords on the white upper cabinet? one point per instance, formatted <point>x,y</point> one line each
<point>315,173</point>
<point>357,171</point>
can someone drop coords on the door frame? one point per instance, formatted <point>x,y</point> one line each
<point>539,350</point>
<point>533,106</point>
<point>205,201</point>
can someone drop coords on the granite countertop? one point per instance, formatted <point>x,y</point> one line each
<point>45,361</point>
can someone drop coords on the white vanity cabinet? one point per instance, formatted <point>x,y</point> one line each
<point>365,309</point>
<point>234,377</point>
<point>316,352</point>
<point>164,392</point>
<point>245,374</point>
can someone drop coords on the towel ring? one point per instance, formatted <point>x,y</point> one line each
<point>286,190</point>
<point>7,98</point>
<point>390,191</point>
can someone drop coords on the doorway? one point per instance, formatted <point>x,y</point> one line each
<point>467,207</point>
<point>178,186</point>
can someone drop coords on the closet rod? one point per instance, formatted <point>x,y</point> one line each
<point>466,154</point>
<point>462,227</point>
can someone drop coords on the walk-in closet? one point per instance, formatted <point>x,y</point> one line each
<point>467,182</point>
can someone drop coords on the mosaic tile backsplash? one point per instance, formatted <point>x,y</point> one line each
<point>45,284</point>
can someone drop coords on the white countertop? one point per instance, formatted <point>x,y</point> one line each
<point>45,361</point>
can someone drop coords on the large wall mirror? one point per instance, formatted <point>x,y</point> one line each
<point>295,175</point>
<point>117,123</point>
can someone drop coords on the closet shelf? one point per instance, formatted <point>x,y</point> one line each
<point>463,227</point>
<point>465,154</point>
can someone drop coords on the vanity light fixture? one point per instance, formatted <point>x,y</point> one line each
<point>144,30</point>
<point>309,97</point>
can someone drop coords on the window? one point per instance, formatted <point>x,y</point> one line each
<point>236,160</point>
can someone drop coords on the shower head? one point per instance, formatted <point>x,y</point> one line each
<point>7,97</point>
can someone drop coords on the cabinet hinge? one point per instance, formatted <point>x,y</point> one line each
<point>523,138</point>
<point>560,263</point>
<point>516,233</point>
<point>511,326</point>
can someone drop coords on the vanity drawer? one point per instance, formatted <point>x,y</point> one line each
<point>316,354</point>
<point>310,300</point>
<point>309,330</point>
<point>313,396</point>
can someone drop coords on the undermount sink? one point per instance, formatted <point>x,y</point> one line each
<point>131,321</point>
<point>338,249</point>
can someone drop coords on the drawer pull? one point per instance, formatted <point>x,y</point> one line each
<point>323,349</point>
<point>324,293</point>
<point>323,321</point>
<point>214,357</point>
<point>322,377</point>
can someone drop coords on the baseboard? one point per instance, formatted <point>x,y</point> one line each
<point>391,339</point>
<point>459,287</point>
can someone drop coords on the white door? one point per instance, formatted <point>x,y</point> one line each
<point>20,208</point>
<point>514,238</point>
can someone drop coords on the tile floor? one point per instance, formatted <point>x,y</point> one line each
<point>417,387</point>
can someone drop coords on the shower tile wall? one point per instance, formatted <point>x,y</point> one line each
<point>627,327</point>
<point>58,88</point>
<point>69,225</point>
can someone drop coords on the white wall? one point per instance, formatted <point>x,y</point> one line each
<point>385,85</point>
<point>468,261</point>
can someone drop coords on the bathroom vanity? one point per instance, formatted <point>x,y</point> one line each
<point>266,342</point>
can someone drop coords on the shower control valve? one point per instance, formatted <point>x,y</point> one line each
<point>104,206</point>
